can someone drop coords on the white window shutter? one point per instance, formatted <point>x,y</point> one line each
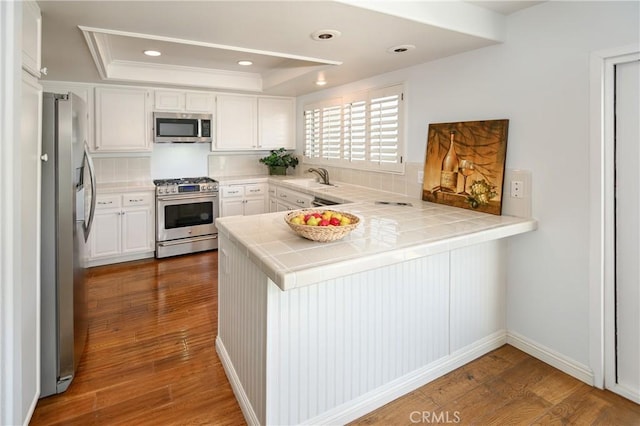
<point>355,131</point>
<point>384,128</point>
<point>332,132</point>
<point>312,132</point>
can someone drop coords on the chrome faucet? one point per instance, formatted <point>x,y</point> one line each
<point>323,173</point>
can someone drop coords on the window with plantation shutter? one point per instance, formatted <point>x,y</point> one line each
<point>322,130</point>
<point>361,130</point>
<point>312,132</point>
<point>355,131</point>
<point>384,127</point>
<point>331,132</point>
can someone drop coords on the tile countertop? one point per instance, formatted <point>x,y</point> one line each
<point>387,235</point>
<point>133,186</point>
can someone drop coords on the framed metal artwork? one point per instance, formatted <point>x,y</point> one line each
<point>464,164</point>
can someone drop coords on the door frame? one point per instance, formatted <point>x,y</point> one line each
<point>602,213</point>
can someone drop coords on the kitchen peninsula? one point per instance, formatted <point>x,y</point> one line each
<point>322,333</point>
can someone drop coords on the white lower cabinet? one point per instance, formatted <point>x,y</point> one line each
<point>288,199</point>
<point>123,228</point>
<point>243,199</point>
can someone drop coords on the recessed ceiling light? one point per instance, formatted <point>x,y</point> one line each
<point>152,53</point>
<point>324,35</point>
<point>321,82</point>
<point>401,49</point>
<point>245,63</point>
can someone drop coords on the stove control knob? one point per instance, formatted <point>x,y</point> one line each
<point>160,190</point>
<point>174,189</point>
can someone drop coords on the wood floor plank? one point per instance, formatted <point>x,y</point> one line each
<point>408,408</point>
<point>150,360</point>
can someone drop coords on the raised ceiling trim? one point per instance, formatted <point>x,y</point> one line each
<point>207,44</point>
<point>119,70</point>
<point>184,76</point>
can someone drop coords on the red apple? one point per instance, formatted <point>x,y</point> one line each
<point>323,222</point>
<point>334,221</point>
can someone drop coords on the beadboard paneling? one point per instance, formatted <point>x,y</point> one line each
<point>338,340</point>
<point>242,295</point>
<point>478,292</point>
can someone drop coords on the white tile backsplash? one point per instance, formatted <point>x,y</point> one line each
<point>175,160</point>
<point>239,165</point>
<point>122,169</point>
<point>179,160</point>
<point>405,184</point>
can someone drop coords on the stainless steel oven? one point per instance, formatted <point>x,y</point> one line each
<point>186,211</point>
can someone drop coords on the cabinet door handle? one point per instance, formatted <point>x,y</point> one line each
<point>300,201</point>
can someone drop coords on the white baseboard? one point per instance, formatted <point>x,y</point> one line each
<point>120,258</point>
<point>551,357</point>
<point>375,399</point>
<point>243,400</point>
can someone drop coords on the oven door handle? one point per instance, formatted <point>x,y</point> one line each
<point>183,197</point>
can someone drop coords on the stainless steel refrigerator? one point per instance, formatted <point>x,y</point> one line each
<point>68,205</point>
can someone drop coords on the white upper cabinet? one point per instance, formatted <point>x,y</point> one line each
<point>179,101</point>
<point>236,122</point>
<point>85,92</point>
<point>31,38</point>
<point>276,123</point>
<point>169,100</point>
<point>254,123</point>
<point>199,102</point>
<point>123,118</point>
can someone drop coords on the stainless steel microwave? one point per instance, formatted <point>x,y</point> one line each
<point>181,127</point>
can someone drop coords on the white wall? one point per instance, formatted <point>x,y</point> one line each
<point>539,80</point>
<point>19,337</point>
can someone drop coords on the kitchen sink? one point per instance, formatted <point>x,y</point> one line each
<point>308,183</point>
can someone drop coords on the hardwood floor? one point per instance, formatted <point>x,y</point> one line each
<point>150,360</point>
<point>150,357</point>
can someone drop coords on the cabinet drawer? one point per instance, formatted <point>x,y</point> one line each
<point>136,199</point>
<point>107,201</point>
<point>232,191</point>
<point>295,198</point>
<point>250,190</point>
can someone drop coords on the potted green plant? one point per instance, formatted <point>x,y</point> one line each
<point>279,160</point>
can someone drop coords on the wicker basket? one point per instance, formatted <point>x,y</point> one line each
<point>321,233</point>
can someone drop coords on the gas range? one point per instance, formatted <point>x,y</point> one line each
<point>185,186</point>
<point>186,212</point>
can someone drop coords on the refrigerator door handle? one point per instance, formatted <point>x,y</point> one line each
<point>87,158</point>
